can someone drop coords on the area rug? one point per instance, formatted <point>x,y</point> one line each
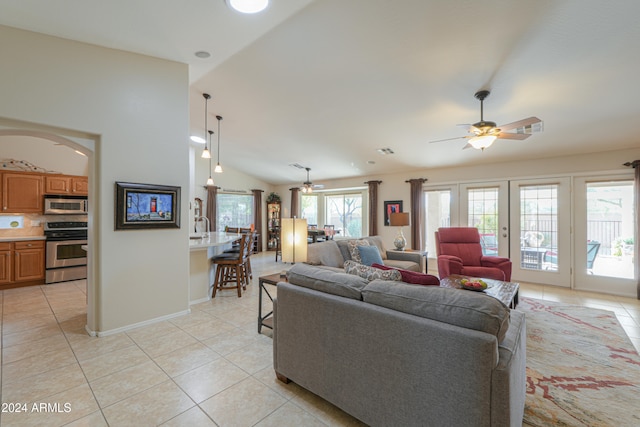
<point>582,369</point>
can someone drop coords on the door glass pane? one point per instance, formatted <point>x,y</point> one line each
<point>438,214</point>
<point>344,211</point>
<point>483,214</point>
<point>309,204</point>
<point>539,227</point>
<point>610,219</point>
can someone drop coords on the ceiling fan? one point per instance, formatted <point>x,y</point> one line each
<point>308,186</point>
<point>484,133</point>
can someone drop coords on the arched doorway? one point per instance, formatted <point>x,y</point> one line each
<point>86,144</point>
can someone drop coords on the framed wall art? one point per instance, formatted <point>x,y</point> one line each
<point>391,207</point>
<point>140,206</point>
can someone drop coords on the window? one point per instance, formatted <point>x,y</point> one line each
<point>344,211</point>
<point>309,205</point>
<point>234,210</point>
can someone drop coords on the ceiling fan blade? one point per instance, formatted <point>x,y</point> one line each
<point>510,135</point>
<point>467,146</point>
<point>528,122</point>
<point>449,139</point>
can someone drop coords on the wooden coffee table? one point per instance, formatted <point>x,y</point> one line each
<point>507,292</point>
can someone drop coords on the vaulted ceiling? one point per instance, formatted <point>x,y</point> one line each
<point>326,83</point>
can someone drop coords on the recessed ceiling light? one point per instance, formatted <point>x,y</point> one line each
<point>248,6</point>
<point>385,151</point>
<point>371,162</point>
<point>202,54</point>
<point>198,139</point>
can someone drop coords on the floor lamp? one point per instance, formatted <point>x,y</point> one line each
<point>294,240</point>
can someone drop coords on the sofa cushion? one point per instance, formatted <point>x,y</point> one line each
<point>325,280</point>
<point>467,309</point>
<point>370,273</point>
<point>325,253</point>
<point>369,255</point>
<point>412,277</point>
<point>353,249</point>
<point>377,241</point>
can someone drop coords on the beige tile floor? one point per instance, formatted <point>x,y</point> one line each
<point>207,368</point>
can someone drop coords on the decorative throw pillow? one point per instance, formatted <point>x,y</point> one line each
<point>353,249</point>
<point>369,255</point>
<point>412,277</point>
<point>370,273</point>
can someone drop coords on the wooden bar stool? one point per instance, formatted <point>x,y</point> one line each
<point>231,268</point>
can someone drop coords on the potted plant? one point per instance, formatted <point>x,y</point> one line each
<point>273,198</point>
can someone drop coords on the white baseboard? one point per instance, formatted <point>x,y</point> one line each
<point>137,325</point>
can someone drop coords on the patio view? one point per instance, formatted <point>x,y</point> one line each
<point>609,228</point>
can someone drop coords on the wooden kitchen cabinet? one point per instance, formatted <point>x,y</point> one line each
<point>6,263</point>
<point>22,263</point>
<point>22,192</point>
<point>66,184</point>
<point>28,260</point>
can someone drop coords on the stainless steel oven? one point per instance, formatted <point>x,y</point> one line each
<point>65,257</point>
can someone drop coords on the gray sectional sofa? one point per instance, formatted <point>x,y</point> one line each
<point>333,253</point>
<point>395,354</point>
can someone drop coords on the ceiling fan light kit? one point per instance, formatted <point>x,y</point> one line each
<point>482,142</point>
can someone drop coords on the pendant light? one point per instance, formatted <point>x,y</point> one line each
<point>218,168</point>
<point>210,180</point>
<point>206,154</point>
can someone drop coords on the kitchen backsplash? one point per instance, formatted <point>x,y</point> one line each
<point>27,225</point>
<point>31,224</point>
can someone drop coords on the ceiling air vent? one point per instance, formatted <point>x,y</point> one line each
<point>385,151</point>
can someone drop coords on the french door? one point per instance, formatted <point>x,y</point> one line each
<point>603,241</point>
<point>540,241</point>
<point>525,220</point>
<point>486,207</point>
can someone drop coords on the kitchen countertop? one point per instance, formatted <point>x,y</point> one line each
<point>215,239</point>
<point>21,238</point>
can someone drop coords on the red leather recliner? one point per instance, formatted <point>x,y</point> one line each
<point>459,252</point>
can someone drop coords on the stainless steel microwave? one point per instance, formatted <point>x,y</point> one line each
<point>65,205</point>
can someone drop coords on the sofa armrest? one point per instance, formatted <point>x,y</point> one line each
<point>407,256</point>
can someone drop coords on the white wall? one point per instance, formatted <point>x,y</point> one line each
<point>394,187</point>
<point>137,107</point>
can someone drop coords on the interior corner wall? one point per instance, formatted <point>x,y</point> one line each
<point>138,105</point>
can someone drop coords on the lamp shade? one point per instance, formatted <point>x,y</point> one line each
<point>293,239</point>
<point>399,219</point>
